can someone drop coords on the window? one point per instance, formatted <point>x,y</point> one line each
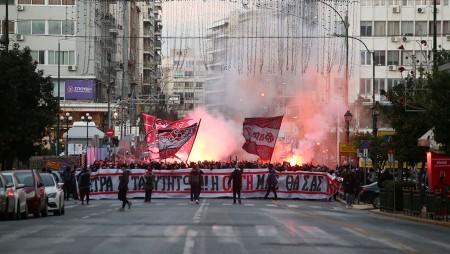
<point>421,2</point>
<point>391,83</point>
<point>366,28</point>
<point>393,28</point>
<point>379,28</point>
<point>188,85</point>
<point>66,57</point>
<point>393,57</point>
<point>68,27</point>
<point>438,28</point>
<point>379,2</point>
<point>421,28</point>
<point>421,56</point>
<point>394,2</point>
<point>38,27</point>
<point>407,28</point>
<point>379,83</point>
<point>61,2</point>
<point>407,2</point>
<point>38,55</point>
<point>445,27</point>
<point>54,27</point>
<point>189,96</point>
<point>380,57</point>
<point>39,2</point>
<point>178,85</point>
<point>366,2</point>
<point>364,86</point>
<point>189,73</point>
<point>10,27</point>
<point>24,27</point>
<point>198,85</point>
<point>366,58</point>
<point>446,2</point>
<point>407,57</point>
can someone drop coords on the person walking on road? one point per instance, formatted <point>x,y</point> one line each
<point>236,177</point>
<point>123,188</point>
<point>349,187</point>
<point>149,185</point>
<point>272,183</point>
<point>196,181</point>
<point>84,185</point>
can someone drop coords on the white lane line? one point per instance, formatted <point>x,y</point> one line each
<point>199,212</point>
<point>293,206</point>
<point>190,242</point>
<point>69,206</point>
<point>92,205</point>
<point>159,204</point>
<point>85,217</point>
<point>226,204</point>
<point>249,204</point>
<point>271,205</point>
<point>266,231</point>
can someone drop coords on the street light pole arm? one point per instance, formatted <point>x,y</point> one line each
<point>340,16</point>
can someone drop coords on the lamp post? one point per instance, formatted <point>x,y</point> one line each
<point>68,119</point>
<point>87,119</point>
<point>348,118</point>
<point>375,114</point>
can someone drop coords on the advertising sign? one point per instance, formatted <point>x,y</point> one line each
<point>80,89</point>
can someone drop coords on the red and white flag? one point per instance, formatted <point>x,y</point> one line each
<point>151,126</point>
<point>261,135</point>
<point>171,140</point>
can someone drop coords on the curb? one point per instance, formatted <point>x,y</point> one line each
<point>412,218</point>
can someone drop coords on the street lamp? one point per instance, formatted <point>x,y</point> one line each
<point>68,119</point>
<point>375,114</point>
<point>348,118</point>
<point>87,120</point>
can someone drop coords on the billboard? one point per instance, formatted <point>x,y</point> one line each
<point>80,89</point>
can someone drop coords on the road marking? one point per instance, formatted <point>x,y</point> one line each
<point>226,234</point>
<point>173,233</point>
<point>271,205</point>
<point>159,204</point>
<point>249,204</point>
<point>198,213</point>
<point>266,231</point>
<point>69,206</point>
<point>228,204</point>
<point>189,243</point>
<point>293,206</point>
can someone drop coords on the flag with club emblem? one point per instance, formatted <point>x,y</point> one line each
<point>260,135</point>
<point>171,140</point>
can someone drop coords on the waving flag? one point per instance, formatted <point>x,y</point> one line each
<point>151,126</point>
<point>170,140</point>
<point>261,135</point>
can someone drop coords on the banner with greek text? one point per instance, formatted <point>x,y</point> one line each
<point>175,184</point>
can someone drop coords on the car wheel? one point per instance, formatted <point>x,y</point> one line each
<point>376,202</point>
<point>62,211</point>
<point>5,214</point>
<point>24,215</point>
<point>58,212</point>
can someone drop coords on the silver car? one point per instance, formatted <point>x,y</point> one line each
<point>20,196</point>
<point>6,198</point>
<point>55,194</point>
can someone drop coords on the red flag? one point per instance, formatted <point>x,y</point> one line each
<point>170,140</point>
<point>261,135</point>
<point>151,126</point>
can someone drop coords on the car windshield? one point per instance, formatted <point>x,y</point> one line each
<point>48,180</point>
<point>9,178</point>
<point>26,178</point>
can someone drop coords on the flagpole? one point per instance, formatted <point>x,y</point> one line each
<point>194,140</point>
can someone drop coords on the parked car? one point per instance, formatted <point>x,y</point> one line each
<point>370,194</point>
<point>36,198</point>
<point>6,197</point>
<point>20,196</point>
<point>54,192</point>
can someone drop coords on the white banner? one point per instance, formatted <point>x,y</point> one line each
<point>175,184</point>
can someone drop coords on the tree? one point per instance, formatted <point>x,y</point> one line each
<point>28,107</point>
<point>440,102</point>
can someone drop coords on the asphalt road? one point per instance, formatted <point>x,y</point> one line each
<point>217,226</point>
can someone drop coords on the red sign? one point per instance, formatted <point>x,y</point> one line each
<point>110,133</point>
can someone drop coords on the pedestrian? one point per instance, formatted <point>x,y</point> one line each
<point>123,187</point>
<point>84,185</point>
<point>149,185</point>
<point>67,178</point>
<point>236,177</point>
<point>196,181</point>
<point>272,183</point>
<point>349,187</point>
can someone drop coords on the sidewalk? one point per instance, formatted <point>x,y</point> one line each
<point>400,215</point>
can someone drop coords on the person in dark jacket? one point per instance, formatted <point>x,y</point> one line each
<point>123,187</point>
<point>272,183</point>
<point>196,181</point>
<point>236,177</point>
<point>149,185</point>
<point>349,182</point>
<point>68,178</point>
<point>84,185</point>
